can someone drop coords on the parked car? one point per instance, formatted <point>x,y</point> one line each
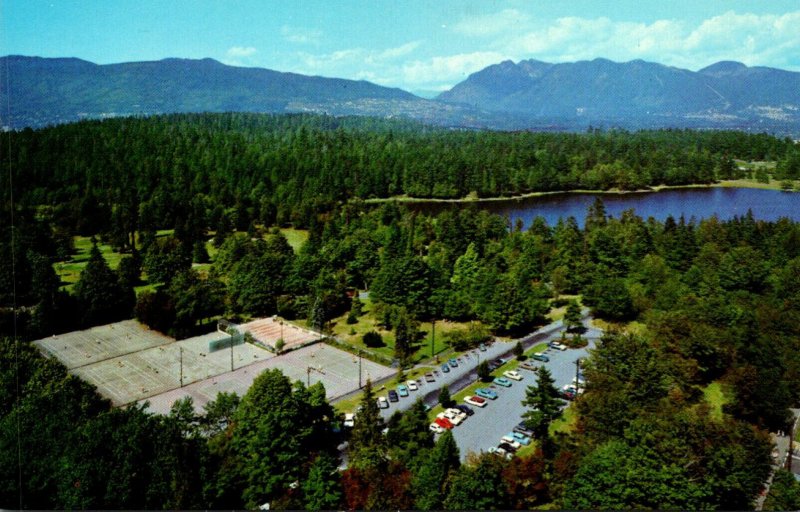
<point>496,450</point>
<point>482,347</point>
<point>493,366</point>
<point>453,363</point>
<point>500,361</point>
<point>486,393</point>
<point>436,428</point>
<point>445,368</point>
<point>458,414</point>
<point>412,385</point>
<point>513,443</point>
<point>509,447</point>
<point>465,409</point>
<point>443,422</point>
<point>429,377</point>
<point>383,403</point>
<point>524,430</point>
<point>528,365</point>
<point>518,437</point>
<point>402,390</point>
<point>349,420</point>
<point>453,418</point>
<point>557,345</point>
<point>502,381</point>
<point>476,401</point>
<point>541,357</point>
<point>393,396</point>
<point>513,374</point>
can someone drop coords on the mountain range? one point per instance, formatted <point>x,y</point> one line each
<point>526,95</point>
<point>643,93</point>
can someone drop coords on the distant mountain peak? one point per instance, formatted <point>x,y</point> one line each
<point>724,67</point>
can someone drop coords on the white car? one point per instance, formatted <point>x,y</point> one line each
<point>412,385</point>
<point>511,442</point>
<point>455,416</point>
<point>436,429</point>
<point>383,403</point>
<point>513,374</point>
<point>476,401</point>
<point>455,420</point>
<point>501,452</point>
<point>349,420</point>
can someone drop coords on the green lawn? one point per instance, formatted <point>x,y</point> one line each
<point>716,396</point>
<point>70,270</point>
<point>295,237</point>
<point>352,334</point>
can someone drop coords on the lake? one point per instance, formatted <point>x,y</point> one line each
<point>699,203</point>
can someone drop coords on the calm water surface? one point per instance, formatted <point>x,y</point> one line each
<point>699,203</point>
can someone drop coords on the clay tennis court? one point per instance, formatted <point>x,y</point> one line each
<point>269,330</point>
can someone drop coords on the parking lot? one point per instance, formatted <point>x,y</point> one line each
<point>466,371</point>
<point>484,429</point>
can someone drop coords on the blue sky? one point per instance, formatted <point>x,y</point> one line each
<point>416,45</point>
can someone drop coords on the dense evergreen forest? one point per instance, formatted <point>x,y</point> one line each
<point>717,302</point>
<point>713,303</point>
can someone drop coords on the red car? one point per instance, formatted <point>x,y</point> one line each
<point>444,423</point>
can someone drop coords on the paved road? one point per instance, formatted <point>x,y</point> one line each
<point>782,448</point>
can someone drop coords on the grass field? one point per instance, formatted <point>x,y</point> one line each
<point>295,237</point>
<point>352,334</point>
<point>70,270</point>
<point>716,397</point>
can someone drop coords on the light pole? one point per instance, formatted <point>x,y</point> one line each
<point>359,368</point>
<point>433,334</point>
<point>181,357</point>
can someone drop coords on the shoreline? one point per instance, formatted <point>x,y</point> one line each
<point>773,185</point>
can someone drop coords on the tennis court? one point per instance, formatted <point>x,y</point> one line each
<point>268,331</point>
<point>336,369</point>
<point>128,362</point>
<point>80,348</point>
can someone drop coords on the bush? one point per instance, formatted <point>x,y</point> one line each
<point>465,339</point>
<point>373,339</point>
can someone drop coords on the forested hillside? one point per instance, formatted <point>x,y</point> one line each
<point>716,303</point>
<point>706,305</point>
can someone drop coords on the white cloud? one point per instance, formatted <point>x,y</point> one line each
<point>300,35</point>
<point>400,51</point>
<point>238,52</point>
<point>750,38</point>
<point>379,66</point>
<point>447,70</point>
<point>491,24</point>
<point>755,39</point>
